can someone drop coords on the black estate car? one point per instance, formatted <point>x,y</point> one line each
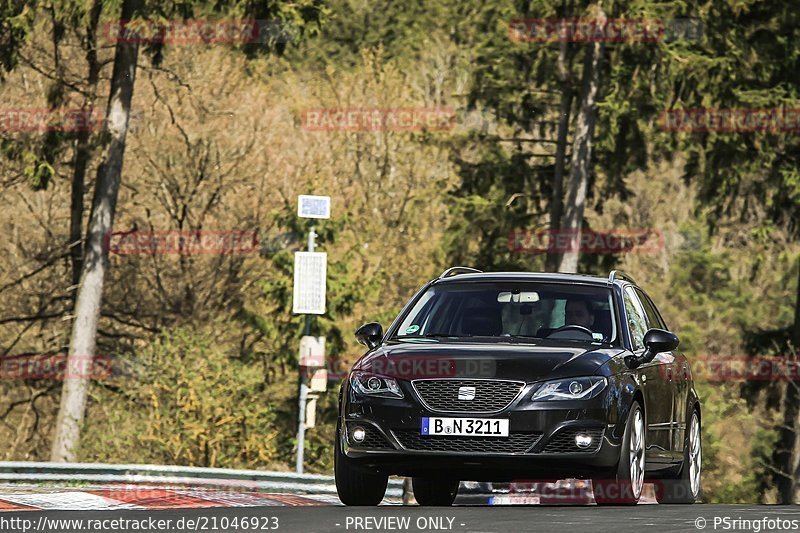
<point>518,377</point>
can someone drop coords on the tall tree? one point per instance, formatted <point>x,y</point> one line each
<point>564,111</point>
<point>580,164</point>
<point>90,293</point>
<point>83,148</point>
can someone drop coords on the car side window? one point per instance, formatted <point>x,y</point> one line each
<point>637,320</point>
<point>653,318</point>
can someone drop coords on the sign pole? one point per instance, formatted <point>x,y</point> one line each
<point>301,425</point>
<point>309,299</point>
<point>303,396</point>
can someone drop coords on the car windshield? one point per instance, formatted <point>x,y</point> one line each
<point>527,310</point>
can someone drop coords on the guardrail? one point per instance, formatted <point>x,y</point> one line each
<point>28,471</point>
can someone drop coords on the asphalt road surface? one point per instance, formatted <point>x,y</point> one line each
<point>562,519</point>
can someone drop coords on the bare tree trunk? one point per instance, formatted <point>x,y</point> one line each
<point>87,308</point>
<point>557,199</point>
<point>82,149</point>
<point>789,447</point>
<point>581,153</point>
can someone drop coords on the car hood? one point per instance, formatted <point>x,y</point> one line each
<point>523,362</point>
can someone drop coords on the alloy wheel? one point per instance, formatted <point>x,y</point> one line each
<point>637,454</point>
<point>695,455</point>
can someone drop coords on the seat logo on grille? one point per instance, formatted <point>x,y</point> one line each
<point>466,393</point>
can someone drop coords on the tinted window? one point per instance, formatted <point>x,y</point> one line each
<point>653,318</point>
<point>512,309</point>
<point>637,320</point>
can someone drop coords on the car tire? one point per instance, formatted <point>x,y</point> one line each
<point>686,486</point>
<point>434,492</point>
<point>355,485</point>
<point>625,486</point>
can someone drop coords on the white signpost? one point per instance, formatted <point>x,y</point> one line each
<point>310,269</point>
<point>308,298</point>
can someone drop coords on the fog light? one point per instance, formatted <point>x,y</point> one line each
<point>359,434</point>
<point>582,440</point>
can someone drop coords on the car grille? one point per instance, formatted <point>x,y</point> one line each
<point>373,439</point>
<point>564,441</point>
<point>490,395</point>
<point>411,439</point>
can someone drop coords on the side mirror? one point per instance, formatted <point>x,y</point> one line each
<point>660,340</point>
<point>656,341</point>
<point>370,334</point>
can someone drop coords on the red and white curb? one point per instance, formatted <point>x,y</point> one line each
<point>148,498</point>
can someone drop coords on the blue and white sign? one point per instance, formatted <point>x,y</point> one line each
<point>309,206</point>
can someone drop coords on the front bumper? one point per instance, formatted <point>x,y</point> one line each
<point>540,445</point>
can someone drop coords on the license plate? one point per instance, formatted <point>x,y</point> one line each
<point>471,427</point>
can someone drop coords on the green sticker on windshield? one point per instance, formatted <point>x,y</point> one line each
<point>412,329</point>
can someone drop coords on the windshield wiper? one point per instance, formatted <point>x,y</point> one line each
<point>432,336</point>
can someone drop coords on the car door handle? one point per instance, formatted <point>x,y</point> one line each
<point>669,374</point>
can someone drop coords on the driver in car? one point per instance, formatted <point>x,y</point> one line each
<point>578,312</point>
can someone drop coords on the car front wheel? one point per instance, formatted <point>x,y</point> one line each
<point>626,486</point>
<point>354,485</point>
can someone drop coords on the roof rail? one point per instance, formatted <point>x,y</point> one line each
<point>459,270</point>
<point>619,274</point>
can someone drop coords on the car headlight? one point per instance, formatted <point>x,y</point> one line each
<point>569,389</point>
<point>370,384</point>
